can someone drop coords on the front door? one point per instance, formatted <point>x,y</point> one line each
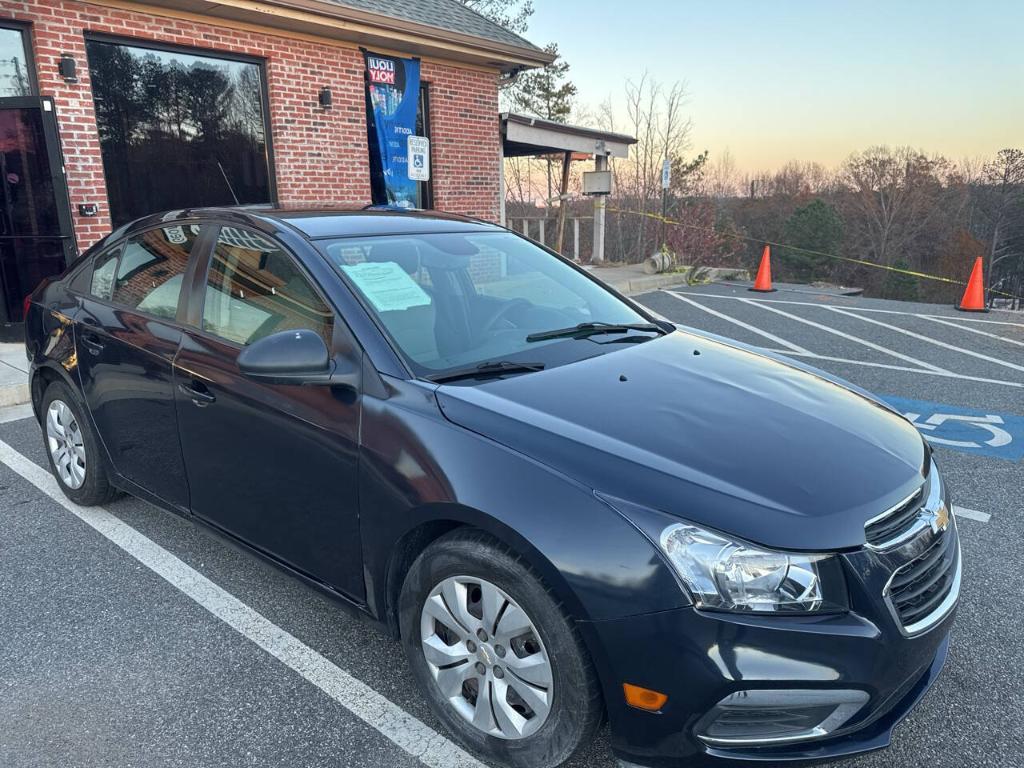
<point>274,465</point>
<point>36,236</point>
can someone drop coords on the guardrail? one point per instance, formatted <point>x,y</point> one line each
<point>545,225</point>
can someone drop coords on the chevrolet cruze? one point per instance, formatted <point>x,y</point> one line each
<point>568,509</point>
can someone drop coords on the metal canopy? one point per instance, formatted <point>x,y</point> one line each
<point>523,136</point>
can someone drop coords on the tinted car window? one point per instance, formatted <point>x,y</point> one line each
<point>102,284</point>
<point>152,268</point>
<point>254,288</point>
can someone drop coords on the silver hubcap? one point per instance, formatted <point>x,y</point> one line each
<point>64,439</point>
<point>486,657</point>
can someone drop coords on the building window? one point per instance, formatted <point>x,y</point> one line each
<point>424,189</point>
<point>179,130</point>
<point>15,66</point>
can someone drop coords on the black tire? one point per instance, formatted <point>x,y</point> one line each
<point>96,488</point>
<point>576,708</point>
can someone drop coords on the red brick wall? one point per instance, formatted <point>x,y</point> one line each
<point>464,140</point>
<point>320,156</point>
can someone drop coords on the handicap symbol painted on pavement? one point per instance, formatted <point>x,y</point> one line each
<point>964,429</point>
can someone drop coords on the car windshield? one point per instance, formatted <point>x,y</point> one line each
<point>455,300</point>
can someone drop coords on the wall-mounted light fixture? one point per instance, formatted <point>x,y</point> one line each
<point>67,69</point>
<point>325,98</point>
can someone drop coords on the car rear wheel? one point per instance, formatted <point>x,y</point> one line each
<point>496,655</point>
<point>72,449</point>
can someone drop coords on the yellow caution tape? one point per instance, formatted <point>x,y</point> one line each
<point>862,262</point>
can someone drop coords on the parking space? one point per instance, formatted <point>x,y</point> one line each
<point>132,637</point>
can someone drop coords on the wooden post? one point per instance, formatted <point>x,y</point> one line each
<point>576,239</point>
<point>563,191</point>
<point>542,222</point>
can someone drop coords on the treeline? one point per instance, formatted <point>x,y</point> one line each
<point>890,207</point>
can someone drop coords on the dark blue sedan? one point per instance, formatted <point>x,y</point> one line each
<point>566,508</point>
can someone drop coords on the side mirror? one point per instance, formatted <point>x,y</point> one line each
<point>294,357</point>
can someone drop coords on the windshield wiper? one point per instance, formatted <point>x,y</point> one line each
<point>583,330</point>
<point>493,368</point>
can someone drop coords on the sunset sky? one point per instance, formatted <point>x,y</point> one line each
<point>773,81</point>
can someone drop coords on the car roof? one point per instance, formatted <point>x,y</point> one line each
<point>322,222</point>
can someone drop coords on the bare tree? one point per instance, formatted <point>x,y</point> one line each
<point>891,196</point>
<point>511,14</point>
<point>722,179</point>
<point>1005,212</point>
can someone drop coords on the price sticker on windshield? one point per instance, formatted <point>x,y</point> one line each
<point>388,287</point>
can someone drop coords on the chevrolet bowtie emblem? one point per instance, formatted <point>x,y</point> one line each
<point>938,519</point>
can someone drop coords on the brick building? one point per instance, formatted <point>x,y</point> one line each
<point>110,109</point>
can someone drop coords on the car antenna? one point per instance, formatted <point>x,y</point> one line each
<point>226,181</point>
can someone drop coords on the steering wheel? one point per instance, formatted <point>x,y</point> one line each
<point>499,312</point>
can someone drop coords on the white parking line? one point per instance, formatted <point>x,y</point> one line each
<point>847,336</point>
<point>889,366</point>
<point>410,734</point>
<point>971,330</point>
<point>770,336</point>
<point>958,318</point>
<point>971,514</point>
<point>927,339</point>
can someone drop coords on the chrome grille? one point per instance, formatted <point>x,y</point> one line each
<point>921,592</point>
<point>896,523</point>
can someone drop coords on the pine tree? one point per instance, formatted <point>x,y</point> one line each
<point>815,227</point>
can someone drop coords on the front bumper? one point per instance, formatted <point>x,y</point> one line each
<point>698,658</point>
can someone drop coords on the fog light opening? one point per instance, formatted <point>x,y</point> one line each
<point>775,716</point>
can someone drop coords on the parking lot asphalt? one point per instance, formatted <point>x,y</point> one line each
<point>138,639</point>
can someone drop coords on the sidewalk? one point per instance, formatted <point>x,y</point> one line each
<point>13,375</point>
<point>631,279</point>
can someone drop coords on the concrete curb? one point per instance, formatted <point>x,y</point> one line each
<point>13,375</point>
<point>636,282</point>
<point>13,394</point>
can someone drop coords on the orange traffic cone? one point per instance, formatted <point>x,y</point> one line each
<point>763,283</point>
<point>974,296</point>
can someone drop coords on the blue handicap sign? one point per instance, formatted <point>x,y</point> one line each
<point>965,429</point>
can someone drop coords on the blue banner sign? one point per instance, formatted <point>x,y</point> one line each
<point>1000,435</point>
<point>394,90</point>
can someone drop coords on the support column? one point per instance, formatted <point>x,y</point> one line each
<point>597,254</point>
<point>501,182</point>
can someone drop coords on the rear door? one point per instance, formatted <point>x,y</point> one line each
<point>126,336</point>
<point>274,465</point>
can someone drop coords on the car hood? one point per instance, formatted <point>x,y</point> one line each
<point>708,432</point>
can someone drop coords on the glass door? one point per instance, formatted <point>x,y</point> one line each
<point>36,235</point>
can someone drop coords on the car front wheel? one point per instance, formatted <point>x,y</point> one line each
<point>495,654</point>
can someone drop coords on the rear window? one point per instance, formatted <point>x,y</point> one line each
<point>105,264</point>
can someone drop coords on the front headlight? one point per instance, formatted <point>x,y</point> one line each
<point>736,576</point>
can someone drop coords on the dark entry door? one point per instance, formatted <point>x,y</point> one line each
<point>36,236</point>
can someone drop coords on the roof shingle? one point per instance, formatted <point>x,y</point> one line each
<point>443,14</point>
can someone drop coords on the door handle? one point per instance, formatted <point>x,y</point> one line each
<point>92,342</point>
<point>198,394</point>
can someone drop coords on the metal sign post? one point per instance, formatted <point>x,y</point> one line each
<point>666,182</point>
